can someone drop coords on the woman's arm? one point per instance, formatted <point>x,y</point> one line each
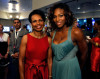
<point>82,45</point>
<point>8,41</point>
<point>22,51</point>
<point>6,55</point>
<point>50,58</point>
<point>94,43</point>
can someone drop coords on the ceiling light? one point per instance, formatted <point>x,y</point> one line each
<point>10,7</point>
<point>84,12</point>
<point>13,2</point>
<point>78,8</point>
<point>98,4</point>
<point>10,16</point>
<point>17,16</point>
<point>13,6</point>
<point>17,7</point>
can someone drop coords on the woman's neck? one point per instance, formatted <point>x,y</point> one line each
<point>1,33</point>
<point>64,28</point>
<point>38,34</point>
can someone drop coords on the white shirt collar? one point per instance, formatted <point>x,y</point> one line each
<point>17,33</point>
<point>18,30</point>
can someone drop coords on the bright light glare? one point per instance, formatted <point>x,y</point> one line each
<point>17,16</point>
<point>78,20</point>
<point>17,7</point>
<point>78,8</point>
<point>85,20</point>
<point>10,16</point>
<point>10,7</point>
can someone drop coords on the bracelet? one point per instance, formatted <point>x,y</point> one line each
<point>96,44</point>
<point>7,52</point>
<point>50,76</point>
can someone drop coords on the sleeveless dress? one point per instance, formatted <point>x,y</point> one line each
<point>95,56</point>
<point>65,63</point>
<point>3,49</point>
<point>36,58</point>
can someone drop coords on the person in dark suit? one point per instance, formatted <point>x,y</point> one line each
<point>14,45</point>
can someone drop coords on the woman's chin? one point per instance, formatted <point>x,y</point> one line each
<point>39,30</point>
<point>59,27</point>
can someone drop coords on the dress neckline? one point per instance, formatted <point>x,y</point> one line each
<point>60,43</point>
<point>63,41</point>
<point>37,38</point>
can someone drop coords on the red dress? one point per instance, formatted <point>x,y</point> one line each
<point>95,56</point>
<point>36,58</point>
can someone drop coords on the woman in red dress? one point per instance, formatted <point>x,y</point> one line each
<point>35,56</point>
<point>95,53</point>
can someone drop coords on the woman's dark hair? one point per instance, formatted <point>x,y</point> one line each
<point>37,11</point>
<point>98,22</point>
<point>1,25</point>
<point>67,12</point>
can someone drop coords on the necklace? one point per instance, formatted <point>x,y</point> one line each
<point>38,36</point>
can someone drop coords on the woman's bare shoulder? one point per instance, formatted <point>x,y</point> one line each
<point>24,39</point>
<point>77,31</point>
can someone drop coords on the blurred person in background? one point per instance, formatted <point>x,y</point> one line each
<point>11,31</point>
<point>4,42</point>
<point>46,31</point>
<point>25,28</point>
<point>75,23</point>
<point>15,40</point>
<point>95,52</point>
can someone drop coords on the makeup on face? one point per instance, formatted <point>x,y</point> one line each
<point>37,22</point>
<point>59,17</point>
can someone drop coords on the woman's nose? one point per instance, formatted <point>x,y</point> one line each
<point>38,22</point>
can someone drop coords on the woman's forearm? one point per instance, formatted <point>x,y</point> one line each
<point>21,69</point>
<point>50,68</point>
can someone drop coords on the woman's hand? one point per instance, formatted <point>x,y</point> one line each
<point>6,55</point>
<point>1,56</point>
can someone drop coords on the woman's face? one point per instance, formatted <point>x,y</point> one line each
<point>95,26</point>
<point>1,28</point>
<point>59,17</point>
<point>75,23</point>
<point>37,22</point>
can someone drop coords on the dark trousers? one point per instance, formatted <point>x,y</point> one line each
<point>3,72</point>
<point>14,69</point>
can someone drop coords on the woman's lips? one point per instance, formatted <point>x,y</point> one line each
<point>38,27</point>
<point>58,23</point>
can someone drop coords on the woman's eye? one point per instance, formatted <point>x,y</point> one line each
<point>61,15</point>
<point>40,20</point>
<point>34,21</point>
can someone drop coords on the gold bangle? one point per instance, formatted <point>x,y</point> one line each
<point>96,44</point>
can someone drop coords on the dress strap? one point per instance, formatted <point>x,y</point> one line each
<point>53,35</point>
<point>69,33</point>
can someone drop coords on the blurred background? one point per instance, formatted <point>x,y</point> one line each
<point>86,11</point>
